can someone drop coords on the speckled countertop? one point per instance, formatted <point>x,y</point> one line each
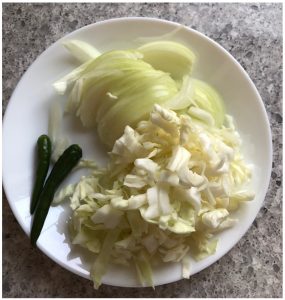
<point>252,33</point>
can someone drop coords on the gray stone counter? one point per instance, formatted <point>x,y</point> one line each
<point>252,33</point>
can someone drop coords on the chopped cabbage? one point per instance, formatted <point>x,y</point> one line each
<point>100,265</point>
<point>166,206</point>
<point>143,268</point>
<point>186,266</point>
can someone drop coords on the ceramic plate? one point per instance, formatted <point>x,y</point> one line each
<point>27,117</point>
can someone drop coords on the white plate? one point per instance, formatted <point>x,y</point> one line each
<point>27,117</point>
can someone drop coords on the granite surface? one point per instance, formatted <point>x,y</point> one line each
<point>252,33</point>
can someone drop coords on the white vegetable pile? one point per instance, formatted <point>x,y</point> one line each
<point>174,176</point>
<point>171,184</point>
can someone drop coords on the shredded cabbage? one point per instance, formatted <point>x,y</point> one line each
<point>165,207</point>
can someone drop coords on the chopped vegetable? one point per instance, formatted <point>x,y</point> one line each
<point>208,100</point>
<point>43,160</point>
<point>105,85</point>
<point>59,141</point>
<point>82,51</point>
<point>101,263</point>
<point>54,122</point>
<point>169,57</point>
<point>161,194</point>
<point>62,84</point>
<point>118,81</point>
<point>163,37</point>
<point>143,268</point>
